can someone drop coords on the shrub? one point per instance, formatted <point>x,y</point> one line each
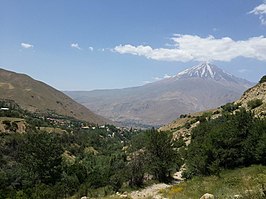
<point>187,125</point>
<point>263,79</point>
<point>229,107</point>
<point>254,103</point>
<point>183,116</point>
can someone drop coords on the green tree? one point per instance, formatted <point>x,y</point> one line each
<point>136,168</point>
<point>263,79</point>
<point>162,156</point>
<point>41,156</point>
<point>117,171</point>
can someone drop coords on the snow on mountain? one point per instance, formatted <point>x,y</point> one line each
<point>209,71</point>
<point>205,70</point>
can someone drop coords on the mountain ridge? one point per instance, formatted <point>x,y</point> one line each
<point>37,96</point>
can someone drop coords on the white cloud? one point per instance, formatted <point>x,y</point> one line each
<point>260,10</point>
<point>194,48</point>
<point>146,82</point>
<point>75,45</point>
<point>91,48</point>
<point>25,45</point>
<point>167,76</point>
<point>157,78</point>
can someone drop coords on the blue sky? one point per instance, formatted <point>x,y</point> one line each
<point>97,44</point>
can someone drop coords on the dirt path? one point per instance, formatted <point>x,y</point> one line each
<point>151,191</point>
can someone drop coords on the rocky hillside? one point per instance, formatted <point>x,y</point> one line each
<point>37,96</point>
<point>253,99</point>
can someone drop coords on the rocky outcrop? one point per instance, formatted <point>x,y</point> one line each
<point>8,125</point>
<point>207,196</point>
<point>257,92</point>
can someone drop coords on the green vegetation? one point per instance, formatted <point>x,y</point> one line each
<point>153,153</point>
<point>58,158</point>
<point>230,141</point>
<point>263,79</point>
<point>247,182</point>
<point>254,103</point>
<point>230,107</point>
<point>61,157</point>
<point>162,156</point>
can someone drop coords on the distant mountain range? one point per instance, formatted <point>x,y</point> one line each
<point>196,89</point>
<point>37,96</point>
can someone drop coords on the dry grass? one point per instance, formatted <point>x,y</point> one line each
<point>246,182</point>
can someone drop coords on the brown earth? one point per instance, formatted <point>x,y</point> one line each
<point>37,96</point>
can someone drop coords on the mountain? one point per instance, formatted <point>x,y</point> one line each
<point>37,96</point>
<point>198,88</point>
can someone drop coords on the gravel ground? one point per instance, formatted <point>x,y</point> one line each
<point>151,191</point>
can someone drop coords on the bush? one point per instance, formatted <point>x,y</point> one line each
<point>183,116</point>
<point>254,103</point>
<point>229,107</point>
<point>263,79</point>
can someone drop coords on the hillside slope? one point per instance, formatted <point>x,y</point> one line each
<point>182,127</point>
<point>37,96</point>
<point>257,92</point>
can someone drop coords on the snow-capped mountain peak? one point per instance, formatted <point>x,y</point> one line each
<point>204,70</point>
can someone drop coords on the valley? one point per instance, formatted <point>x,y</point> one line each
<point>46,154</point>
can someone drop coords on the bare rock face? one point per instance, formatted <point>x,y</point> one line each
<point>12,125</point>
<point>21,126</point>
<point>207,196</point>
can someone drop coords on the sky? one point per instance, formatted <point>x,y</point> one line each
<point>104,44</point>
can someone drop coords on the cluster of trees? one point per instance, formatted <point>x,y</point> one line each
<point>230,141</point>
<point>45,165</point>
<point>89,162</point>
<point>154,153</point>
